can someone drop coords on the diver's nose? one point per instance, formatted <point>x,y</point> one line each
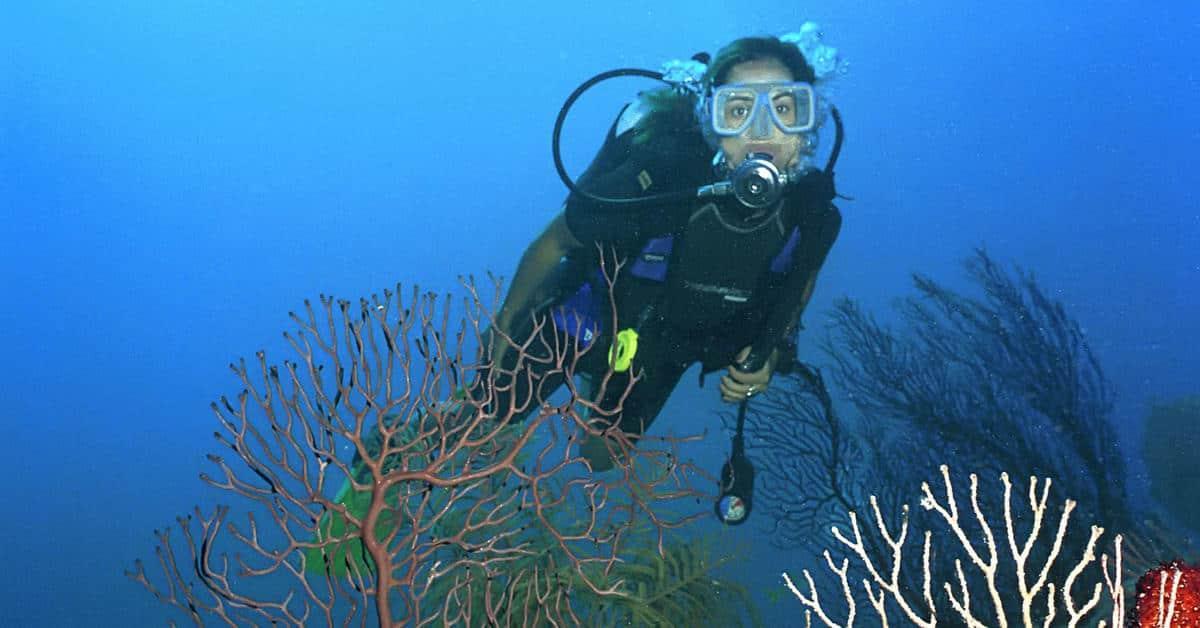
<point>761,127</point>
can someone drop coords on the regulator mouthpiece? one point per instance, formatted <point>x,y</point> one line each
<point>757,183</point>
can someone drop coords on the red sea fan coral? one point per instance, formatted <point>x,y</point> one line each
<point>1168,596</point>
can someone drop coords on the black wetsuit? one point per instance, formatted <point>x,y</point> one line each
<point>700,281</point>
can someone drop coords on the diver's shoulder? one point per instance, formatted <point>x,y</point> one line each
<point>631,116</point>
<point>658,114</point>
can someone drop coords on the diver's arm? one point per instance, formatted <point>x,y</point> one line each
<point>738,383</point>
<point>538,263</point>
<point>783,358</point>
<point>818,231</point>
<point>775,349</point>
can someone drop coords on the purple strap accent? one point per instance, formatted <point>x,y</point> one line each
<point>783,260</point>
<point>651,263</point>
<point>577,316</point>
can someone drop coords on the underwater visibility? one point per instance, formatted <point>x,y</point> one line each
<point>821,315</point>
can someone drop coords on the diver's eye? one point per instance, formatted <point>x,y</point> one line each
<point>738,112</point>
<point>783,109</point>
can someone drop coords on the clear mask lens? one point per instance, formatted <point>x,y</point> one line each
<point>757,107</point>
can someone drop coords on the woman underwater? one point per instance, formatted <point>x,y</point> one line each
<point>719,276</point>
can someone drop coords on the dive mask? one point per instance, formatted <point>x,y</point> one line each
<point>736,108</point>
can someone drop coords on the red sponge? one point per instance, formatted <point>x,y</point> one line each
<point>1154,597</point>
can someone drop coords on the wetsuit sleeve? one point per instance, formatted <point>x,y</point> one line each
<point>819,228</point>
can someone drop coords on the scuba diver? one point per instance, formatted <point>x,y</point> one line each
<point>705,188</point>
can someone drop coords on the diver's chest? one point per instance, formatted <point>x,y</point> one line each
<point>716,247</point>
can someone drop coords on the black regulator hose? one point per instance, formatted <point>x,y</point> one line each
<point>838,136</point>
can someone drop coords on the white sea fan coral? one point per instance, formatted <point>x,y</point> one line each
<point>1042,602</point>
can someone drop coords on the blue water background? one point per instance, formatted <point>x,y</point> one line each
<point>176,176</point>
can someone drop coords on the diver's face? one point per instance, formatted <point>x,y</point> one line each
<point>783,148</point>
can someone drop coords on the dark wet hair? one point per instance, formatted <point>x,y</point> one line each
<point>753,49</point>
<point>672,111</point>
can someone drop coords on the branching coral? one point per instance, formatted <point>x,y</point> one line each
<point>1167,596</point>
<point>1000,382</point>
<point>449,511</point>
<point>1005,381</point>
<point>1034,597</point>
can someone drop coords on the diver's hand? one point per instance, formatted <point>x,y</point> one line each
<point>816,188</point>
<point>738,385</point>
